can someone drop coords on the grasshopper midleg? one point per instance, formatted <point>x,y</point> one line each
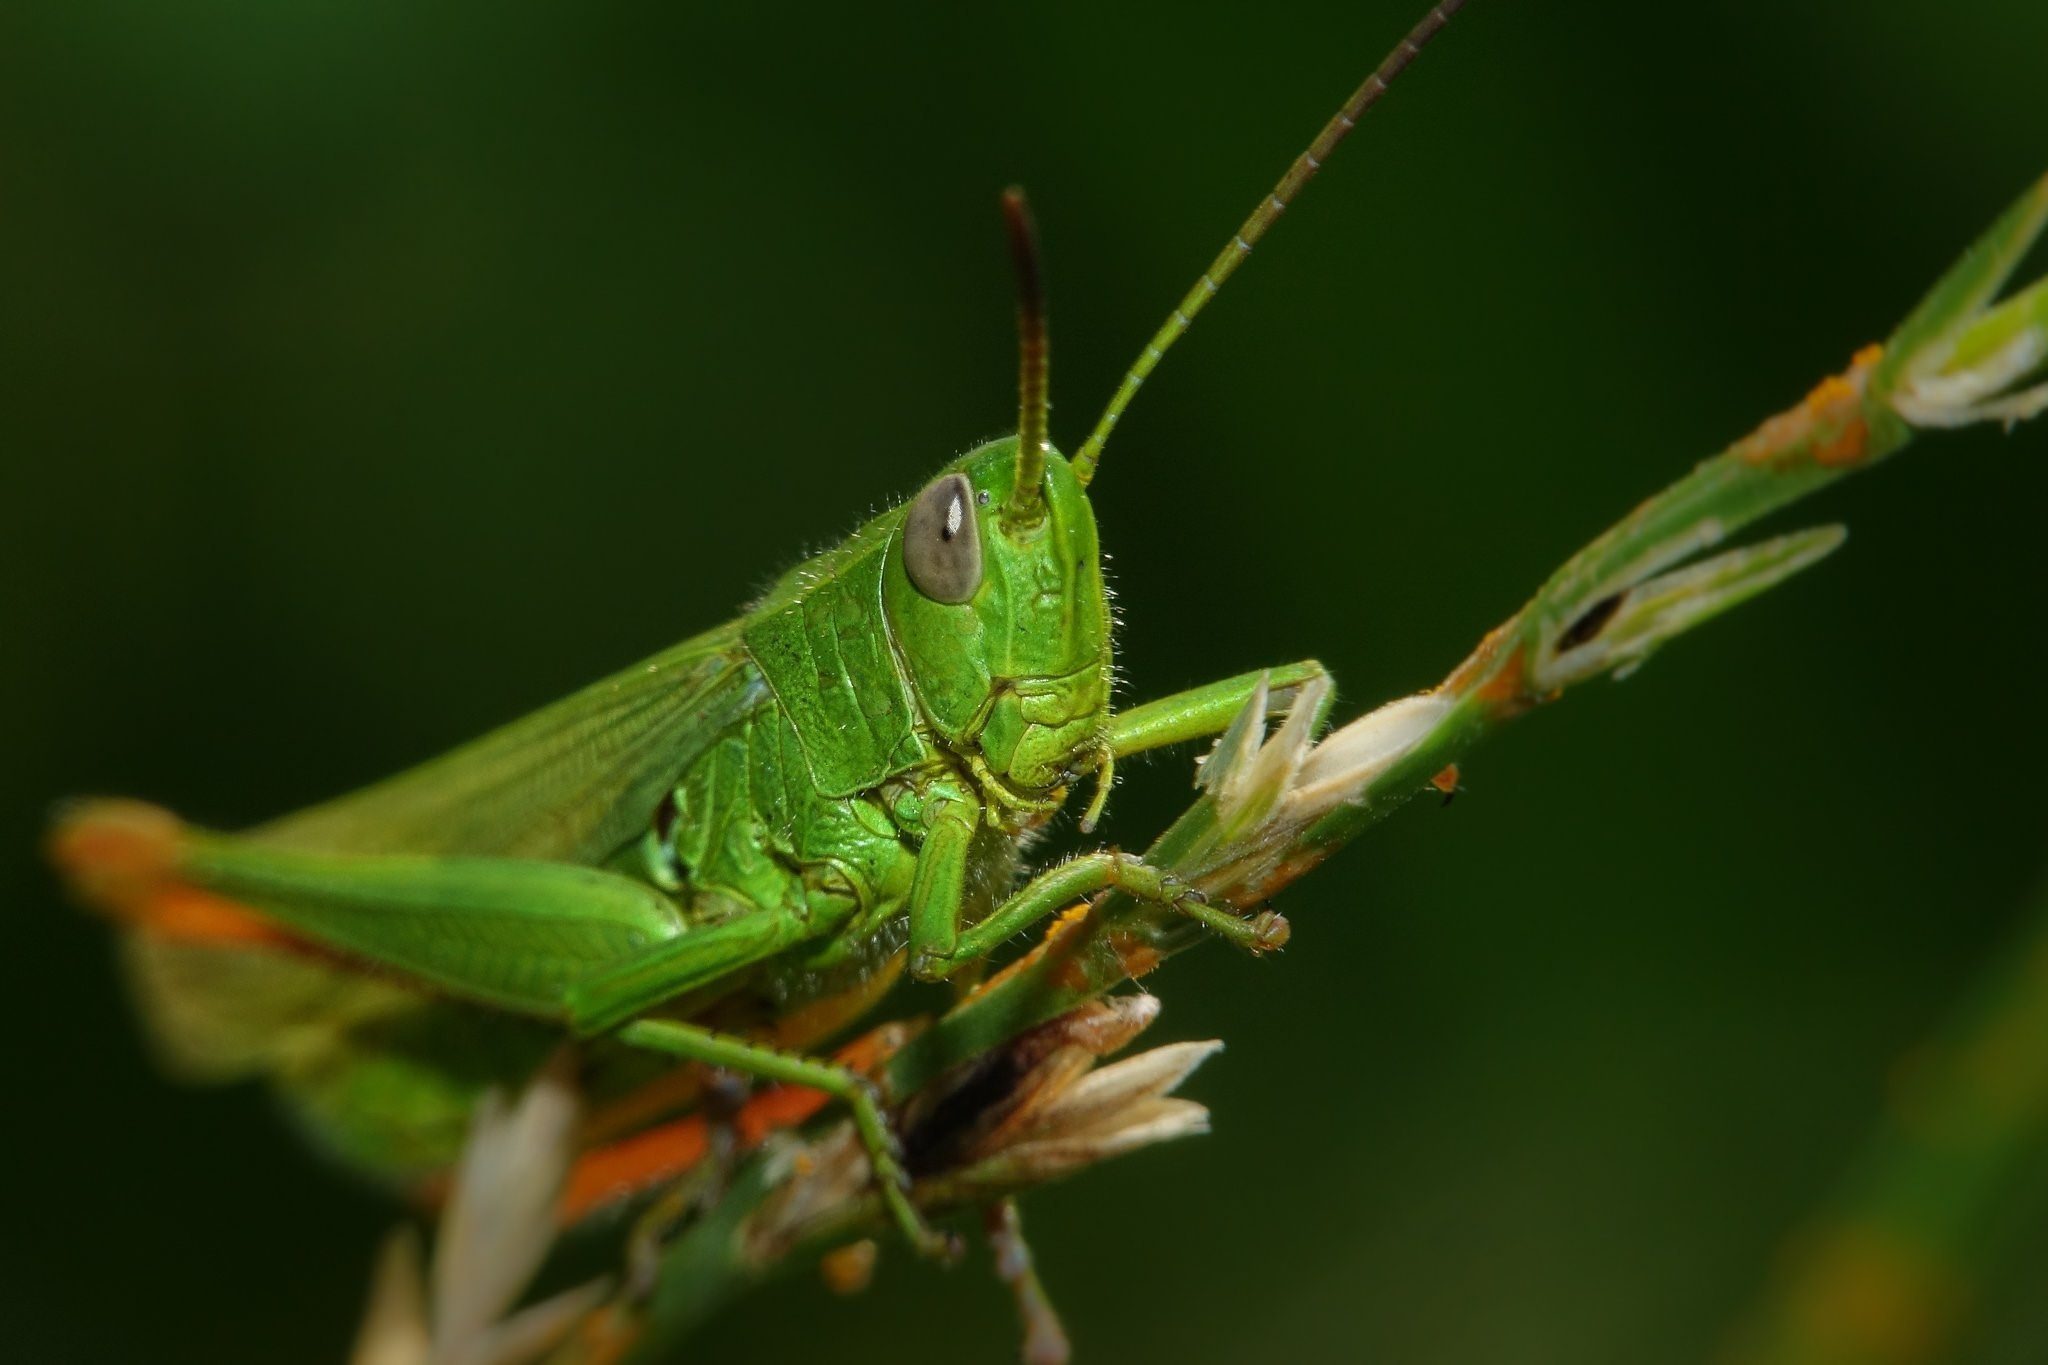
<point>773,812</point>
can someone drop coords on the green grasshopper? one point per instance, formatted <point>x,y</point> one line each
<point>782,812</point>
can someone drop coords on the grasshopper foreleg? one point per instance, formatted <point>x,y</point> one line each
<point>939,946</point>
<point>1203,711</point>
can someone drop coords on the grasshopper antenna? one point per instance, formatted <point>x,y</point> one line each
<point>1262,218</point>
<point>1033,358</point>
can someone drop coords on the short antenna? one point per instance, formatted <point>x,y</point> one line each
<point>1026,505</point>
<point>1262,218</point>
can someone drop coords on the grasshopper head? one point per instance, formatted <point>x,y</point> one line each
<point>993,585</point>
<point>996,603</point>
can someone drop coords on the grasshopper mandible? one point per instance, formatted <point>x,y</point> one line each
<point>772,820</point>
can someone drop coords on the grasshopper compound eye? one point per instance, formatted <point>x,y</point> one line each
<point>941,545</point>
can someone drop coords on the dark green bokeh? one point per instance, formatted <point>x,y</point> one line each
<point>372,372</point>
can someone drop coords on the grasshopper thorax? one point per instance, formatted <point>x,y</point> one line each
<point>1001,622</point>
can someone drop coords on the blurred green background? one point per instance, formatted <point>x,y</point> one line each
<point>372,372</point>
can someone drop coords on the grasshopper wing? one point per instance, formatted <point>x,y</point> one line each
<point>573,782</point>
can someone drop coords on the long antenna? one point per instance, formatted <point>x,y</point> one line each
<point>1263,217</point>
<point>1033,358</point>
